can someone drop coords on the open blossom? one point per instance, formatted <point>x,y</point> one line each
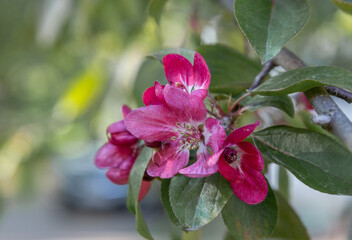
<point>119,154</point>
<point>241,164</point>
<point>181,125</point>
<point>180,73</point>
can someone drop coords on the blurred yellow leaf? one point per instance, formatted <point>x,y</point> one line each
<point>83,92</point>
<point>344,20</point>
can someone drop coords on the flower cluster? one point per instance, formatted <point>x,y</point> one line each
<point>174,122</point>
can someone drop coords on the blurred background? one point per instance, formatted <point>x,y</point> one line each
<point>66,68</point>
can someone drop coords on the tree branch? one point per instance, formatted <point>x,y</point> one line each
<point>340,93</point>
<point>321,101</point>
<point>263,73</point>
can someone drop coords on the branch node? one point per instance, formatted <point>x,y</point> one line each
<point>323,120</point>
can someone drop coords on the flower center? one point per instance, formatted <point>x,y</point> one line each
<point>230,155</point>
<point>189,136</point>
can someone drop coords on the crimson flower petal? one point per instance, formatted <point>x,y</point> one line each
<point>200,168</point>
<point>154,95</point>
<point>201,73</point>
<point>187,107</point>
<point>152,144</point>
<point>116,127</point>
<point>178,70</point>
<point>118,134</point>
<point>227,171</point>
<point>110,155</point>
<point>118,176</point>
<point>149,96</point>
<point>253,189</point>
<point>240,134</point>
<point>247,184</point>
<point>214,159</point>
<point>152,123</point>
<point>251,157</point>
<point>145,187</point>
<point>201,93</point>
<point>214,134</point>
<point>167,161</point>
<point>125,110</point>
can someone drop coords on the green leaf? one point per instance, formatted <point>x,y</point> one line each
<point>156,8</point>
<point>302,79</point>
<point>135,181</point>
<point>149,72</point>
<point>231,72</point>
<point>187,53</point>
<point>315,159</point>
<point>288,226</point>
<point>270,24</point>
<point>197,201</point>
<point>345,5</point>
<point>283,103</point>
<point>165,200</point>
<point>284,183</point>
<point>228,236</point>
<point>246,221</point>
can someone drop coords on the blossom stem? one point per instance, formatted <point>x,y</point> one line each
<point>213,101</point>
<point>213,114</point>
<point>237,102</point>
<point>239,111</point>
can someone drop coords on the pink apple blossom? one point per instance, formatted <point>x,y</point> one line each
<point>181,125</point>
<point>119,154</point>
<point>180,73</point>
<point>241,164</point>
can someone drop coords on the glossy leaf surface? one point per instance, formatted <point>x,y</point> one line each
<point>197,201</point>
<point>283,103</point>
<point>315,159</point>
<point>302,79</point>
<point>165,200</point>
<point>270,24</point>
<point>247,222</point>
